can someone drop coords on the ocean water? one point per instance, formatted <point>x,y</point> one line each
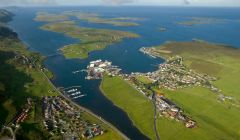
<point>124,54</point>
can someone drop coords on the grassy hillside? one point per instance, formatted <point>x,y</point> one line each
<point>5,16</point>
<point>213,59</point>
<point>216,120</point>
<point>137,106</point>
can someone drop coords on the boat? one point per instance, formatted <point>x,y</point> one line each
<point>79,96</point>
<point>75,72</point>
<point>76,93</point>
<point>72,90</point>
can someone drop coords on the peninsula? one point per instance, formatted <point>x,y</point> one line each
<point>31,107</point>
<point>199,86</point>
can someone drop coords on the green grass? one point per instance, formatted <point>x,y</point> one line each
<point>18,82</point>
<point>136,105</point>
<point>215,120</point>
<point>144,79</point>
<point>91,39</point>
<point>110,134</point>
<point>213,59</point>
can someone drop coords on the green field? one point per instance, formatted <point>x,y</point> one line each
<point>216,120</point>
<point>137,106</point>
<point>91,39</point>
<point>144,79</point>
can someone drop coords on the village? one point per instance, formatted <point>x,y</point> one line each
<point>25,112</point>
<point>174,75</point>
<point>61,117</point>
<point>21,116</point>
<point>170,110</point>
<point>165,107</point>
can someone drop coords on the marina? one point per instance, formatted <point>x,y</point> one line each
<point>73,92</point>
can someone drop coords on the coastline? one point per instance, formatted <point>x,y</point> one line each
<point>132,120</point>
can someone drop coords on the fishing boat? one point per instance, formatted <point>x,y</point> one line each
<point>76,93</point>
<point>72,90</point>
<point>78,96</point>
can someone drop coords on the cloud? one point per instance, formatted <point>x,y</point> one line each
<point>186,2</point>
<point>28,2</point>
<point>117,2</point>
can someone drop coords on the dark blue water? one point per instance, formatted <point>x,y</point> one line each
<point>124,54</point>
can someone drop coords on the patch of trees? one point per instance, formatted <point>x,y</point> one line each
<point>5,16</point>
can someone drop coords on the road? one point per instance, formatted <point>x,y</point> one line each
<point>11,131</point>
<point>155,116</point>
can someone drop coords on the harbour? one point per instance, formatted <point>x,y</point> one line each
<point>63,69</point>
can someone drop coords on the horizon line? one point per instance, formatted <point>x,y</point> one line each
<point>185,6</point>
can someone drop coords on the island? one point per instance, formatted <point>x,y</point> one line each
<point>47,17</point>
<point>191,96</point>
<point>31,107</point>
<point>91,39</point>
<point>89,17</point>
<point>191,21</point>
<point>95,18</point>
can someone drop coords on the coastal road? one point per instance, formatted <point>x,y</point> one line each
<point>155,115</point>
<point>82,108</point>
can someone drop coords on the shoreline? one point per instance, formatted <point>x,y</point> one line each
<point>133,122</point>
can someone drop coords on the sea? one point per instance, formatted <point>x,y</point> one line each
<point>124,54</point>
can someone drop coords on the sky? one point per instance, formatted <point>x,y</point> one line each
<point>222,3</point>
